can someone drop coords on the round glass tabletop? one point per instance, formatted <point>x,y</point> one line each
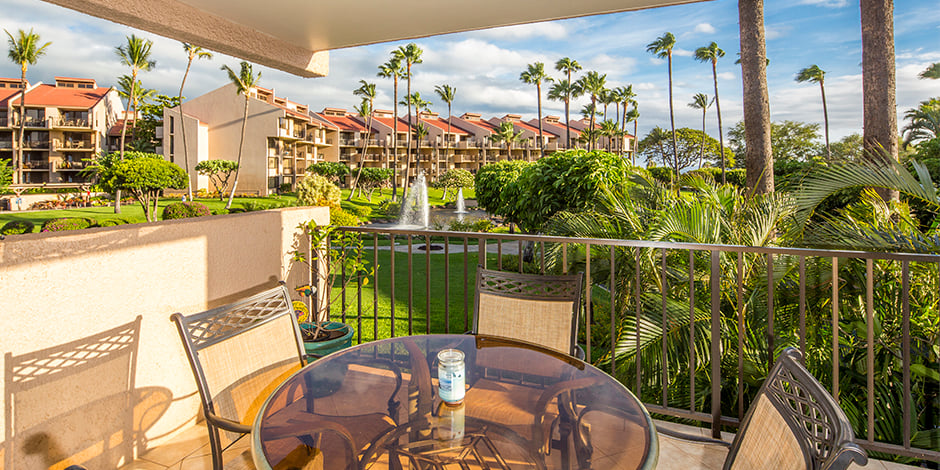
<point>378,405</point>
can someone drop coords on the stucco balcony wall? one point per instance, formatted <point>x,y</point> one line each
<point>95,371</point>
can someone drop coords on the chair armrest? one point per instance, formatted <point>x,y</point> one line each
<point>227,424</point>
<point>691,437</point>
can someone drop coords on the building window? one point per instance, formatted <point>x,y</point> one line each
<point>272,163</point>
<point>172,121</point>
<point>172,146</point>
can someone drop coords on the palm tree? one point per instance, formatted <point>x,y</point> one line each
<point>414,99</point>
<point>925,122</point>
<point>447,94</point>
<point>880,123</point>
<point>192,53</point>
<point>367,92</point>
<point>244,81</point>
<point>658,137</point>
<point>712,53</point>
<point>633,115</point>
<point>662,48</point>
<point>610,130</point>
<point>506,132</point>
<point>817,75</point>
<point>563,90</point>
<point>535,75</point>
<point>700,101</point>
<point>593,84</point>
<point>24,51</point>
<point>606,98</point>
<point>136,55</point>
<point>759,160</point>
<point>568,65</point>
<point>932,72</point>
<point>628,97</point>
<point>410,55</point>
<point>393,69</point>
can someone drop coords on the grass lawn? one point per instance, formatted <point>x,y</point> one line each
<point>133,213</point>
<point>451,306</point>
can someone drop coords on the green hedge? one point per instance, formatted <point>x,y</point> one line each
<point>184,210</point>
<point>63,224</point>
<point>16,227</point>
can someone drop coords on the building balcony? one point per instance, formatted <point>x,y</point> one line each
<point>80,145</point>
<point>36,144</point>
<point>71,123</point>
<point>4,122</point>
<point>36,123</point>
<point>69,166</point>
<point>35,165</point>
<point>6,144</point>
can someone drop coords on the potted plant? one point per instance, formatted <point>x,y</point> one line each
<point>333,253</point>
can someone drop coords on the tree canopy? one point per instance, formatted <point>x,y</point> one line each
<point>145,176</point>
<point>790,140</point>
<point>219,172</point>
<point>657,147</point>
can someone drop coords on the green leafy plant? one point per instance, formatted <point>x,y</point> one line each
<point>145,176</point>
<point>183,210</point>
<point>331,170</point>
<point>336,261</point>
<point>112,222</point>
<point>16,227</point>
<point>317,190</point>
<point>219,173</point>
<point>342,218</point>
<point>63,224</point>
<point>453,179</point>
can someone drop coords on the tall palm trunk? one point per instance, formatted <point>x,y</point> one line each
<point>672,120</point>
<point>567,115</point>
<point>241,143</point>
<point>721,135</point>
<point>408,135</point>
<point>593,112</point>
<point>701,156</point>
<point>362,155</point>
<point>759,160</point>
<point>395,139</point>
<point>880,129</point>
<point>822,89</point>
<point>635,142</point>
<point>538,89</point>
<point>17,165</point>
<point>179,106</point>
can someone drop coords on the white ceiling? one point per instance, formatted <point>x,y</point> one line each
<point>293,35</point>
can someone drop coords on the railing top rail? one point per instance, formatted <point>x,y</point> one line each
<point>912,257</point>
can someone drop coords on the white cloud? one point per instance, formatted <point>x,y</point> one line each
<point>682,52</point>
<point>726,76</point>
<point>705,28</point>
<point>825,3</point>
<point>775,32</point>
<point>656,61</point>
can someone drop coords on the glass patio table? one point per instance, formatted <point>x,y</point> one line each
<point>377,406</point>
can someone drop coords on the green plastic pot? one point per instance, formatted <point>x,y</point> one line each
<point>322,348</point>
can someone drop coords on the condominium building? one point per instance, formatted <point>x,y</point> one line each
<point>281,137</point>
<point>66,124</point>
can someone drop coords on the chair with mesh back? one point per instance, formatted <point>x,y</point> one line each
<point>540,309</point>
<point>793,423</point>
<point>239,354</point>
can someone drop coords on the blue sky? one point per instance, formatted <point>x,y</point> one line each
<point>485,65</point>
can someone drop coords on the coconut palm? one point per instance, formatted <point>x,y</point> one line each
<point>633,116</point>
<point>193,52</point>
<point>447,94</point>
<point>568,65</point>
<point>700,101</point>
<point>925,122</point>
<point>535,75</point>
<point>880,123</point>
<point>24,51</point>
<point>419,104</point>
<point>932,72</point>
<point>592,84</point>
<point>606,98</point>
<point>136,55</point>
<point>662,48</point>
<point>815,74</point>
<point>366,91</point>
<point>393,69</point>
<point>244,81</point>
<point>409,54</point>
<point>563,90</point>
<point>711,53</point>
<point>759,160</point>
<point>611,131</point>
<point>624,95</point>
<point>506,132</point>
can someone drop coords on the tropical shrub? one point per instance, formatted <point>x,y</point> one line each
<point>334,171</point>
<point>480,225</point>
<point>316,190</point>
<point>342,218</point>
<point>363,212</point>
<point>144,176</point>
<point>453,179</point>
<point>183,210</point>
<point>66,223</point>
<point>6,175</point>
<point>372,179</point>
<point>663,174</point>
<point>219,173</point>
<point>490,182</point>
<point>389,209</point>
<point>112,222</point>
<point>16,227</point>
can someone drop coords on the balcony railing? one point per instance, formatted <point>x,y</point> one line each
<point>67,165</point>
<point>4,121</point>
<point>35,122</point>
<point>6,144</point>
<point>36,144</point>
<point>74,144</point>
<point>659,312</point>
<point>35,165</point>
<point>71,122</point>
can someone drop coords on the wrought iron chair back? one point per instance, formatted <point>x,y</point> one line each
<point>540,309</point>
<point>239,354</point>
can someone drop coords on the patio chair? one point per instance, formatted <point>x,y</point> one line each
<point>239,354</point>
<point>540,309</point>
<point>793,423</point>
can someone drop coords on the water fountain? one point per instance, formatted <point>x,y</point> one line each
<point>461,205</point>
<point>415,213</point>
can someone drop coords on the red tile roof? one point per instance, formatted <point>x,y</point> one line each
<point>401,127</point>
<point>6,93</point>
<point>482,124</point>
<point>442,125</point>
<point>317,117</point>
<point>346,123</point>
<point>115,130</point>
<point>50,95</point>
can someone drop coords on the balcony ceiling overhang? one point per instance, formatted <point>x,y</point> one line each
<point>295,35</point>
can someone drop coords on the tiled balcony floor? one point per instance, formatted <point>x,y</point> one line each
<point>190,451</point>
